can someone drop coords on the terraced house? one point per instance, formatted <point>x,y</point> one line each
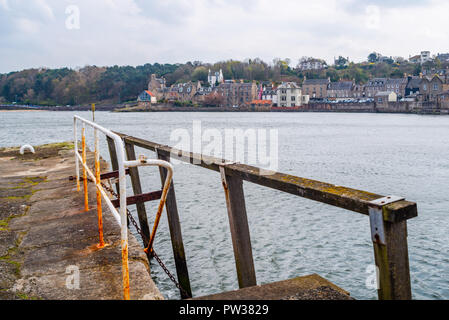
<point>340,89</point>
<point>157,86</point>
<point>425,88</point>
<point>431,87</point>
<point>237,94</point>
<point>375,86</point>
<point>186,91</point>
<point>397,86</point>
<point>315,88</point>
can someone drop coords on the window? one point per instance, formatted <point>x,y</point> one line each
<point>293,98</point>
<point>379,100</point>
<point>425,87</point>
<point>284,91</point>
<point>435,86</point>
<point>283,98</point>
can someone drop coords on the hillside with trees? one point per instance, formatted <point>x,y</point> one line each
<point>118,84</point>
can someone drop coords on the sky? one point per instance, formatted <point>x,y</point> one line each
<point>76,33</point>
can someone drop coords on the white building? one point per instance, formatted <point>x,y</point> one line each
<point>421,58</point>
<point>289,94</point>
<point>425,56</point>
<point>383,97</point>
<point>214,78</point>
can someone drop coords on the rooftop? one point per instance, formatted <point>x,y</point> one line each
<point>316,82</point>
<point>289,85</point>
<point>341,85</point>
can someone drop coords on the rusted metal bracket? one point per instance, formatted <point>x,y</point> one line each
<point>223,172</point>
<point>376,217</point>
<point>141,198</point>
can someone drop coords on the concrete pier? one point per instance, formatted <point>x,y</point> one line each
<point>312,287</point>
<point>47,241</point>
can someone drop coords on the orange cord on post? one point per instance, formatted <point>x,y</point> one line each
<point>78,187</point>
<point>99,208</point>
<point>125,271</point>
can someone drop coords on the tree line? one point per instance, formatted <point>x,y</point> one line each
<point>119,84</point>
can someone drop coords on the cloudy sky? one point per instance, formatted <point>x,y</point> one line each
<point>55,33</point>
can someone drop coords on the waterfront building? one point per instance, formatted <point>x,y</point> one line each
<point>186,91</point>
<point>425,88</point>
<point>157,86</point>
<point>270,94</point>
<point>289,95</point>
<point>147,96</point>
<point>315,88</point>
<point>358,91</point>
<point>340,89</point>
<point>237,94</point>
<point>431,87</point>
<point>413,86</point>
<point>201,93</point>
<point>374,86</point>
<point>384,97</point>
<point>397,85</point>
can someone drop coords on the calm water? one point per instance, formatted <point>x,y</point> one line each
<point>405,155</point>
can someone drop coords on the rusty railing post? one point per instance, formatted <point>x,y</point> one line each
<point>86,191</point>
<point>238,221</point>
<point>98,182</point>
<point>175,233</point>
<point>77,161</point>
<point>137,189</point>
<point>390,252</point>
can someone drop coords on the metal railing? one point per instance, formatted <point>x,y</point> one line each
<point>388,215</point>
<point>122,166</point>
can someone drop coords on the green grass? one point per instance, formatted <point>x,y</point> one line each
<point>24,296</point>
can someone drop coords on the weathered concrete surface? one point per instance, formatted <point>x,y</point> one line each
<point>45,235</point>
<point>311,287</point>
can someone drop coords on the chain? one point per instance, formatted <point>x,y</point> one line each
<point>144,238</point>
<point>153,254</point>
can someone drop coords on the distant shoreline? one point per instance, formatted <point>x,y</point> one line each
<point>23,110</point>
<point>392,108</point>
